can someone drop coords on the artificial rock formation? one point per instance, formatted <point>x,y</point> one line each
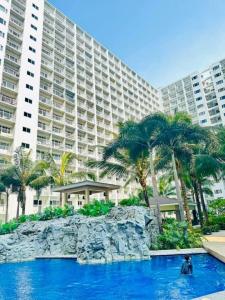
<point>125,233</point>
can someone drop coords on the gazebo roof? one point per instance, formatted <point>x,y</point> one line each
<point>82,186</point>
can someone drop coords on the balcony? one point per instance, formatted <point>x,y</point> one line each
<point>18,11</point>
<point>5,150</point>
<point>43,142</point>
<point>44,127</point>
<point>11,71</point>
<point>45,100</point>
<point>9,85</point>
<point>57,146</point>
<point>6,132</point>
<point>70,135</point>
<point>6,115</point>
<point>7,100</point>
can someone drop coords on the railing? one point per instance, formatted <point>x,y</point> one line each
<point>8,100</point>
<point>9,85</point>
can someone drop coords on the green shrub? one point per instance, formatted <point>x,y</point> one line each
<point>217,207</point>
<point>177,235</point>
<point>132,201</point>
<point>96,208</point>
<point>217,220</point>
<point>8,227</point>
<point>48,214</point>
<point>207,230</point>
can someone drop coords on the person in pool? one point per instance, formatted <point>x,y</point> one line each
<point>187,267</point>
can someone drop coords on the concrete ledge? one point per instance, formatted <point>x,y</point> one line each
<point>178,252</point>
<point>56,257</point>
<point>216,249</point>
<point>214,296</point>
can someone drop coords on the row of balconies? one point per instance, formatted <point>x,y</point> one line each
<point>55,145</point>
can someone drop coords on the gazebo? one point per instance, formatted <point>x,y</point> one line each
<point>86,188</point>
<point>170,205</point>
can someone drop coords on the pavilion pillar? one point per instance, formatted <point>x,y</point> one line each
<point>87,196</point>
<point>107,195</point>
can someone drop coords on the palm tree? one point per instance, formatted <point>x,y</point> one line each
<point>165,186</point>
<point>6,182</point>
<point>60,174</point>
<point>125,164</point>
<point>23,172</point>
<point>177,138</point>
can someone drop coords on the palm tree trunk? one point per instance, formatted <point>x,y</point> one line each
<point>23,203</point>
<point>205,212</point>
<point>153,177</point>
<point>185,199</point>
<point>18,206</point>
<point>155,191</point>
<point>7,207</point>
<point>198,202</point>
<point>178,190</point>
<point>60,199</point>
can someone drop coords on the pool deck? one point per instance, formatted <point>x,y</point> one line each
<point>214,296</point>
<point>215,245</point>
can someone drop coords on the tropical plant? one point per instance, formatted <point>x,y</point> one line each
<point>177,235</point>
<point>125,163</point>
<point>131,201</point>
<point>96,208</point>
<point>175,141</point>
<point>165,186</point>
<point>21,174</point>
<point>60,174</point>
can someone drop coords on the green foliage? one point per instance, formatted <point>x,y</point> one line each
<point>8,227</point>
<point>217,207</point>
<point>131,201</point>
<point>96,208</point>
<point>217,220</point>
<point>49,213</point>
<point>177,235</point>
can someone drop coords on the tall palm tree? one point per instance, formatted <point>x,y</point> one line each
<point>177,137</point>
<point>23,171</point>
<point>125,164</point>
<point>58,173</point>
<point>7,180</point>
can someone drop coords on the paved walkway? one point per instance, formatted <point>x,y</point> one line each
<point>215,244</point>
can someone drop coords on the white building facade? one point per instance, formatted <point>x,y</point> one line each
<point>202,95</point>
<point>60,90</point>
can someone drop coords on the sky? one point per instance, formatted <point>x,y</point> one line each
<point>162,40</point>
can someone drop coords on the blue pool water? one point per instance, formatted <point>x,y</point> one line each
<point>158,278</point>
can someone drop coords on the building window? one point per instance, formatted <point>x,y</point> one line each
<point>199,98</point>
<point>25,145</point>
<point>31,61</point>
<point>2,8</point>
<point>218,191</point>
<point>29,87</point>
<point>216,68</point>
<point>2,34</point>
<point>33,38</point>
<point>196,84</point>
<point>33,27</point>
<point>36,202</point>
<point>32,49</point>
<point>28,100</point>
<point>217,75</point>
<point>25,129</point>
<point>26,114</point>
<point>197,91</point>
<point>2,21</point>
<point>203,121</point>
<point>35,17</point>
<point>195,77</point>
<point>219,82</point>
<point>35,6</point>
<point>221,90</point>
<point>222,98</point>
<point>30,73</point>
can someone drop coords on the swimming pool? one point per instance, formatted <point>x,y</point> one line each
<point>158,278</point>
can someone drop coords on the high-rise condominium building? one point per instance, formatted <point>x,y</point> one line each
<point>60,89</point>
<point>202,95</point>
